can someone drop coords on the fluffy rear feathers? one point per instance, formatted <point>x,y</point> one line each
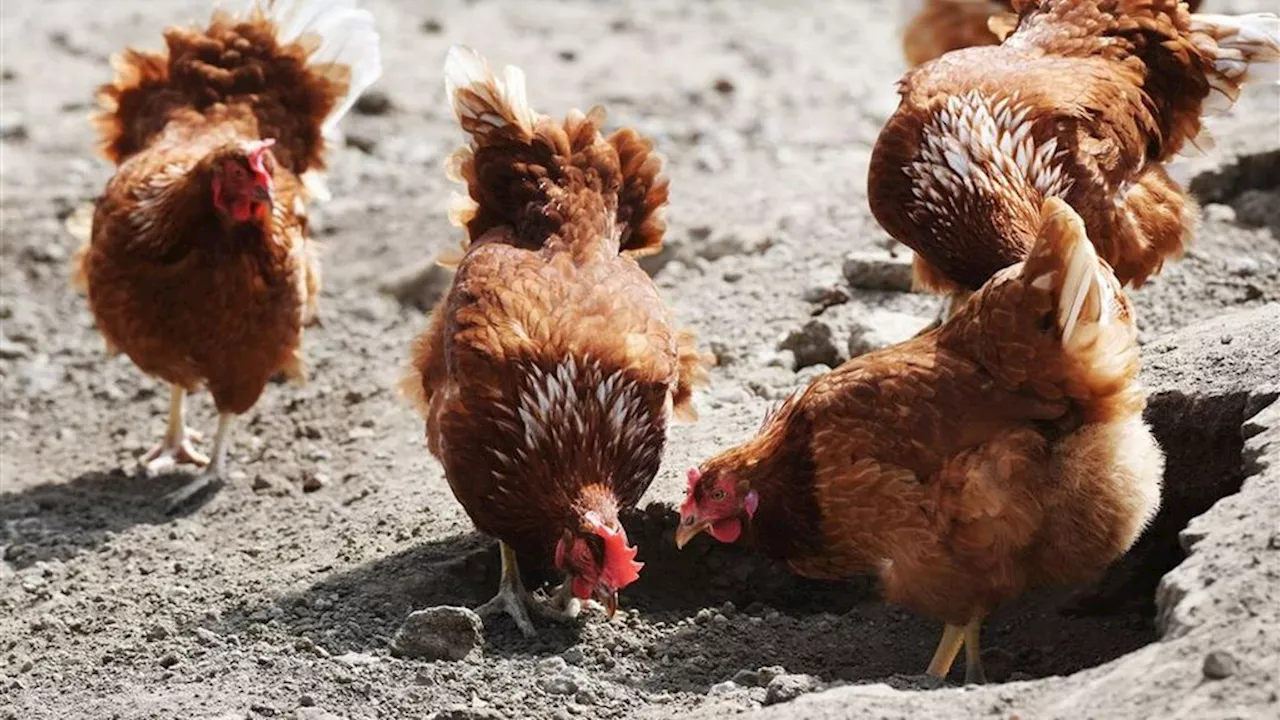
<point>1243,48</point>
<point>294,66</point>
<point>485,103</point>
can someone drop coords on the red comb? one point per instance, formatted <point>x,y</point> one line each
<point>620,566</point>
<point>694,477</point>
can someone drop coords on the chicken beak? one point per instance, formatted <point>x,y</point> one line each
<point>685,533</point>
<point>611,604</point>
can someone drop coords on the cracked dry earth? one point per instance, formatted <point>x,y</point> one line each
<point>279,596</point>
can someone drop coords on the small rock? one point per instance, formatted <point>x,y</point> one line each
<point>307,701</point>
<point>12,126</point>
<point>261,483</point>
<point>824,294</point>
<point>1219,665</point>
<point>574,656</point>
<point>364,144</point>
<point>721,689</point>
<point>373,102</point>
<point>882,328</point>
<point>10,350</point>
<point>553,665</point>
<point>431,26</point>
<point>208,637</point>
<point>747,678</point>
<point>558,685</point>
<point>767,674</point>
<point>156,632</point>
<point>812,345</point>
<point>466,713</point>
<point>788,687</point>
<point>878,271</point>
<point>724,86</point>
<point>313,481</point>
<point>567,55</point>
<point>357,659</point>
<point>419,286</point>
<point>440,633</point>
<point>169,660</point>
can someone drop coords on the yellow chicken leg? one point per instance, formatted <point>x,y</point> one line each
<point>178,446</point>
<point>973,672</point>
<point>948,648</point>
<point>953,637</point>
<point>212,475</point>
<point>514,600</point>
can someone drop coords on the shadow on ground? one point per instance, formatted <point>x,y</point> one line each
<point>57,521</point>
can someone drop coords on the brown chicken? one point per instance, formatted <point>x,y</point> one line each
<point>1002,451</point>
<point>1086,100</point>
<point>940,26</point>
<point>549,371</point>
<point>199,266</point>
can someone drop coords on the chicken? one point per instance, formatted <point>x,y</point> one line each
<point>940,26</point>
<point>1086,101</point>
<point>549,371</point>
<point>1003,451</point>
<point>199,266</point>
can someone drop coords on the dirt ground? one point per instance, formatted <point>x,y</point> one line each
<point>278,597</point>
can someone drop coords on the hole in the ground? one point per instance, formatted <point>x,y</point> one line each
<point>1251,186</point>
<point>836,631</point>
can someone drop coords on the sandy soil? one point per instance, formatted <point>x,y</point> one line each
<point>278,597</point>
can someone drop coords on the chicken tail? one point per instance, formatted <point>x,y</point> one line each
<point>541,182</point>
<point>1096,334</point>
<point>1242,49</point>
<point>297,66</point>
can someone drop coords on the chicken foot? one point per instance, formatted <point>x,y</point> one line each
<point>212,476</point>
<point>178,446</point>
<point>953,637</point>
<point>514,600</point>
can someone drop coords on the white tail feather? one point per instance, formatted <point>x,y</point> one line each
<point>347,36</point>
<point>1246,48</point>
<point>500,98</point>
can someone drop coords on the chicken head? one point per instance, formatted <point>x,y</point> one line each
<point>597,561</point>
<point>715,503</point>
<point>242,184</point>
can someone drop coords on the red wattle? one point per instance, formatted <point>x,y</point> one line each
<point>727,531</point>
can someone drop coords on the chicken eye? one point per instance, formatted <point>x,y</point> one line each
<point>717,494</point>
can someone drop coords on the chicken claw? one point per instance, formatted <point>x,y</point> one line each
<point>517,602</point>
<point>171,452</point>
<point>178,446</point>
<point>212,476</point>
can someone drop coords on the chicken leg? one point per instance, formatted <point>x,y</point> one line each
<point>178,446</point>
<point>514,600</point>
<point>953,637</point>
<point>212,475</point>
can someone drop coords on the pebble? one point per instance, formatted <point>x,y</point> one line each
<point>440,633</point>
<point>558,685</point>
<point>747,678</point>
<point>466,713</point>
<point>373,102</point>
<point>169,660</point>
<point>878,271</point>
<point>788,687</point>
<point>552,665</point>
<point>1219,665</point>
<point>313,481</point>
<point>357,659</point>
<point>722,688</point>
<point>12,126</point>
<point>207,637</point>
<point>574,656</point>
<point>812,345</point>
